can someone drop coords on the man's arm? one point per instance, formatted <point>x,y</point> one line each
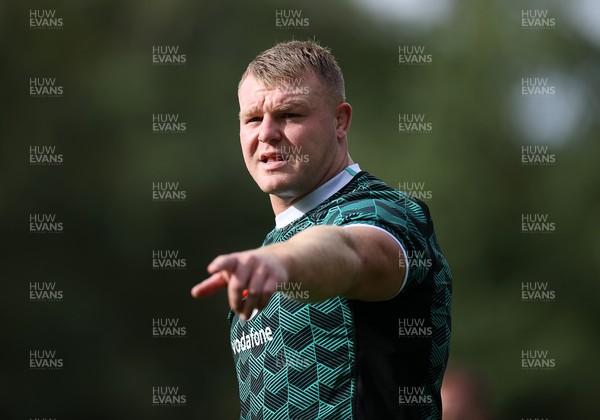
<point>357,262</point>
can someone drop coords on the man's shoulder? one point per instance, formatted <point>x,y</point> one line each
<point>368,195</point>
<point>364,186</point>
<point>365,199</point>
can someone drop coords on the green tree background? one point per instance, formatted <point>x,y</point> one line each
<point>471,162</point>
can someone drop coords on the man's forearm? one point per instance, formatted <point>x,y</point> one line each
<point>322,261</point>
<point>355,262</point>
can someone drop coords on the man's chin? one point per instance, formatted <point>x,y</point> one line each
<point>274,182</point>
<point>280,191</point>
<point>284,190</point>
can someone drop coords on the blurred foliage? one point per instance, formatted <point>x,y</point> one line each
<point>102,193</point>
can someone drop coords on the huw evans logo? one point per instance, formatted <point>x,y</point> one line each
<point>168,124</point>
<point>292,290</point>
<point>167,259</point>
<point>413,55</point>
<point>292,359</point>
<point>168,396</point>
<point>537,223</point>
<point>537,360</point>
<point>413,328</point>
<point>44,19</point>
<point>290,19</point>
<point>537,291</point>
<point>536,86</point>
<point>416,259</point>
<point>167,55</point>
<point>44,360</point>
<point>414,396</point>
<point>414,189</point>
<point>414,123</point>
<point>44,87</point>
<point>293,85</point>
<point>291,154</point>
<point>42,418</point>
<point>537,19</point>
<point>537,156</point>
<point>44,156</point>
<point>44,223</point>
<point>168,328</point>
<point>168,191</point>
<point>44,292</point>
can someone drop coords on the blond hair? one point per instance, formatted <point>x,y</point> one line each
<point>297,59</point>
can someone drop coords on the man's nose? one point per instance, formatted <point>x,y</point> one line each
<point>269,130</point>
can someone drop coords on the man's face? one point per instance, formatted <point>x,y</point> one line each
<point>288,135</point>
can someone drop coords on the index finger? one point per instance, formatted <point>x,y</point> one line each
<point>211,285</point>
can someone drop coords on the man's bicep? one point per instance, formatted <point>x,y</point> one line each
<point>383,262</point>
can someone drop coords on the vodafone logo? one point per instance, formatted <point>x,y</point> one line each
<point>252,339</point>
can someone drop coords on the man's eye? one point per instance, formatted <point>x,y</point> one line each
<point>290,115</point>
<point>254,119</point>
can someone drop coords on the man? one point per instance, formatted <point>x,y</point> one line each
<point>321,315</point>
<point>465,395</point>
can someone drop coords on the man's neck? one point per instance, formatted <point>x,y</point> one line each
<point>280,204</point>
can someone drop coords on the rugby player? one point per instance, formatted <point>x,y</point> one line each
<point>344,312</point>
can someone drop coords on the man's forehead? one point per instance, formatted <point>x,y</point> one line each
<point>273,102</point>
<point>254,96</point>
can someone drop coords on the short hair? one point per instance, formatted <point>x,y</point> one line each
<point>293,59</point>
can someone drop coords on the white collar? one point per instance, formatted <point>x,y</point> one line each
<point>316,197</point>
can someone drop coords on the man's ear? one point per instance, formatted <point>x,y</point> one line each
<point>343,116</point>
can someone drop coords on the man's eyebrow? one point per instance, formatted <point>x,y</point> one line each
<point>248,112</point>
<point>286,106</point>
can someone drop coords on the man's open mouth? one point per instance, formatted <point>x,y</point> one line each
<point>272,157</point>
